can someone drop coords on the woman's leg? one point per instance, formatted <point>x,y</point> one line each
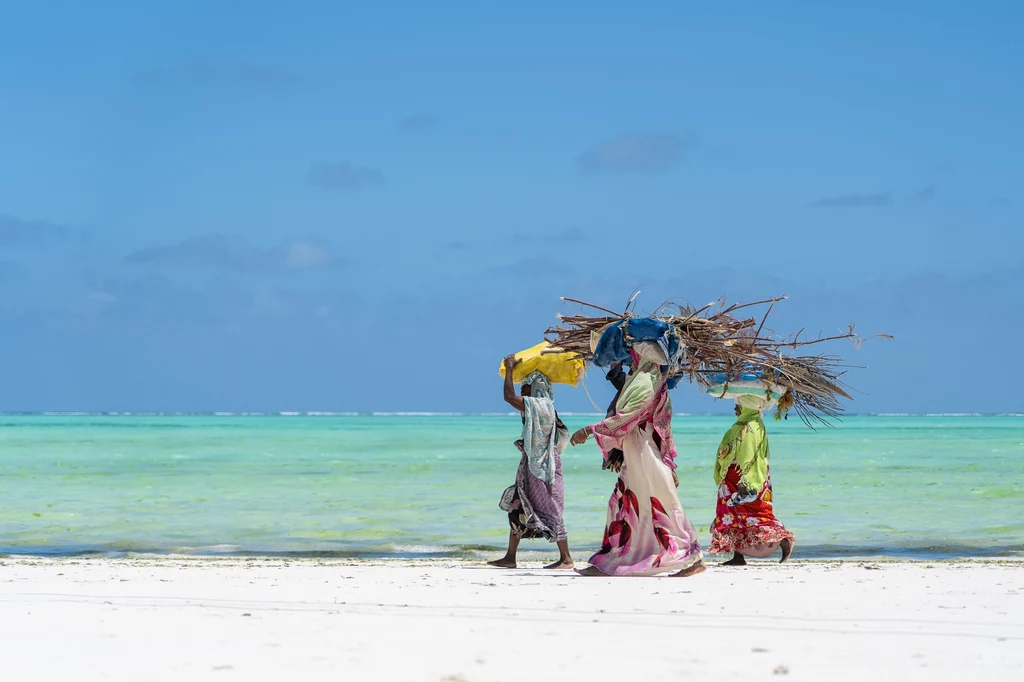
<point>592,572</point>
<point>509,560</point>
<point>787,548</point>
<point>759,551</point>
<point>564,558</point>
<point>698,567</point>
<point>764,551</point>
<point>736,560</point>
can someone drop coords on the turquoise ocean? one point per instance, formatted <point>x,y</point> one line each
<point>428,485</point>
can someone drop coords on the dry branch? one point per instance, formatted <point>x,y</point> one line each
<point>719,343</point>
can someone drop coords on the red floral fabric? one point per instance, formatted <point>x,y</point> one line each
<point>744,525</point>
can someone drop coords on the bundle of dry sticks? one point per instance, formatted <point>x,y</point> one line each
<point>720,342</point>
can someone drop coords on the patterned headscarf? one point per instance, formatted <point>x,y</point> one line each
<point>540,385</point>
<point>646,353</point>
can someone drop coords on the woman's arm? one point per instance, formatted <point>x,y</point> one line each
<point>509,390</point>
<point>580,437</point>
<point>637,395</point>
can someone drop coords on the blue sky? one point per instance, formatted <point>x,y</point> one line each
<point>363,206</point>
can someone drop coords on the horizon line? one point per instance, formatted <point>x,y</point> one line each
<point>413,413</point>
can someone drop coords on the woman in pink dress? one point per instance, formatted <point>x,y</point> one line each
<point>647,531</point>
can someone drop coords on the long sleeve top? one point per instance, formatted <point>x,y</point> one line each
<point>745,444</point>
<point>644,402</point>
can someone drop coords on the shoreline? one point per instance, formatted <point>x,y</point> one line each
<point>455,620</point>
<point>477,553</point>
<point>531,562</point>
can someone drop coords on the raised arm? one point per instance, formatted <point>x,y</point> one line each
<point>510,388</point>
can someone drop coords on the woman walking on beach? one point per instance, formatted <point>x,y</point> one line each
<point>535,502</point>
<point>646,531</point>
<point>745,522</point>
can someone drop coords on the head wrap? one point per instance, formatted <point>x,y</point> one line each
<point>540,385</point>
<point>754,402</point>
<point>647,353</point>
<point>750,389</point>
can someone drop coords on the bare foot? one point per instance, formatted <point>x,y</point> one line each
<point>698,567</point>
<point>591,571</point>
<point>736,560</point>
<point>563,563</point>
<point>787,548</point>
<point>503,562</point>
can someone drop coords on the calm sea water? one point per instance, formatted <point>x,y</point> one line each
<point>400,485</point>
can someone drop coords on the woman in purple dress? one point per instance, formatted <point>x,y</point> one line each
<point>536,500</point>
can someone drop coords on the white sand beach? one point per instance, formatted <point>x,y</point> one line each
<point>305,619</point>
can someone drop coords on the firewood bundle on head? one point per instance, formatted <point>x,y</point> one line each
<point>718,349</point>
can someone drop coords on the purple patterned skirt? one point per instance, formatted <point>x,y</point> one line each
<point>535,507</point>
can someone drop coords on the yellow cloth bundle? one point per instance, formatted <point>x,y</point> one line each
<point>559,367</point>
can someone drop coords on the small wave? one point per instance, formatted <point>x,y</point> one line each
<point>425,549</point>
<point>214,549</point>
<point>953,414</point>
<point>418,414</point>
